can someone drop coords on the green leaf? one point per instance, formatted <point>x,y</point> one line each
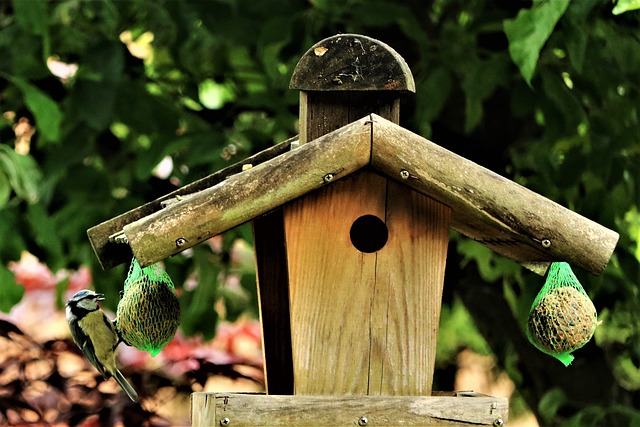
<point>197,313</point>
<point>31,15</point>
<point>550,402</point>
<point>23,173</point>
<point>10,292</point>
<point>93,102</point>
<point>623,6</point>
<point>44,231</point>
<point>434,94</point>
<point>48,116</point>
<point>479,83</point>
<point>564,99</point>
<point>214,95</point>
<point>5,189</point>
<point>576,42</point>
<point>529,31</point>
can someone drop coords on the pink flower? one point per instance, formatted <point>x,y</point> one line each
<point>31,273</point>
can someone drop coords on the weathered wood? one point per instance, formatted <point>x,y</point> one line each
<point>331,286</point>
<point>384,307</point>
<point>273,294</point>
<point>408,294</point>
<point>111,254</point>
<point>352,62</point>
<point>324,112</point>
<point>249,194</point>
<point>499,213</point>
<point>346,77</point>
<point>209,409</point>
<point>508,218</point>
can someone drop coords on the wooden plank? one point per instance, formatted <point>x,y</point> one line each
<point>246,195</point>
<point>210,409</point>
<point>111,254</point>
<point>508,218</point>
<point>408,293</point>
<point>384,307</point>
<point>324,112</point>
<point>352,62</point>
<point>330,285</point>
<point>273,294</point>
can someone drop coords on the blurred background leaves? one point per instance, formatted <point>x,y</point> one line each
<point>107,105</point>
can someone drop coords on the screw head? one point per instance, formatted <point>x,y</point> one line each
<point>328,177</point>
<point>498,423</point>
<point>180,242</point>
<point>363,421</point>
<point>404,174</point>
<point>225,422</point>
<point>546,243</point>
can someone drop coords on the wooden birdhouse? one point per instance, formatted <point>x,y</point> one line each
<point>351,225</point>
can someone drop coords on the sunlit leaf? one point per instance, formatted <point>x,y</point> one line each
<point>529,31</point>
<point>623,6</point>
<point>213,95</point>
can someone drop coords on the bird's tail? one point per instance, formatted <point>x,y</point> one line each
<point>120,379</point>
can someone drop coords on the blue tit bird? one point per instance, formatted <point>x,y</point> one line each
<point>96,336</point>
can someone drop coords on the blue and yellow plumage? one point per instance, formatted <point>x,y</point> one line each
<point>96,336</point>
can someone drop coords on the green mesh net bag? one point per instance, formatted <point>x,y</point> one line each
<point>562,317</point>
<point>148,311</point>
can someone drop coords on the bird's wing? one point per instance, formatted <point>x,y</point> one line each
<point>89,351</point>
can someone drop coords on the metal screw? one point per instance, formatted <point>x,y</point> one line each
<point>404,174</point>
<point>180,241</point>
<point>363,421</point>
<point>498,423</point>
<point>546,243</point>
<point>225,422</point>
<point>328,177</point>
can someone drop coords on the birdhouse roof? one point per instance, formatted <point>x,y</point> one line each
<point>495,211</point>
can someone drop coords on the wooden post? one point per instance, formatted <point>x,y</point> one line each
<point>362,322</point>
<point>345,77</point>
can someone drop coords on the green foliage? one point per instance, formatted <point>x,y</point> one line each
<point>461,333</point>
<point>18,173</point>
<point>623,6</point>
<point>528,32</point>
<point>197,314</point>
<point>545,93</point>
<point>10,292</point>
<point>47,115</point>
<point>550,403</point>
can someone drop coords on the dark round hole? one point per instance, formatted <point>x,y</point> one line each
<point>369,234</point>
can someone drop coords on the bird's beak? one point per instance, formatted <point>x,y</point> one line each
<point>100,297</point>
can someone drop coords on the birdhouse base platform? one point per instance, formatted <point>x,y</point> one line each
<point>441,409</point>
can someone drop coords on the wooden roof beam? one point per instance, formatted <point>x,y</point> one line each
<point>505,216</point>
<point>249,194</point>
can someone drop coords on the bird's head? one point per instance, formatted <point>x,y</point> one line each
<point>86,300</point>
